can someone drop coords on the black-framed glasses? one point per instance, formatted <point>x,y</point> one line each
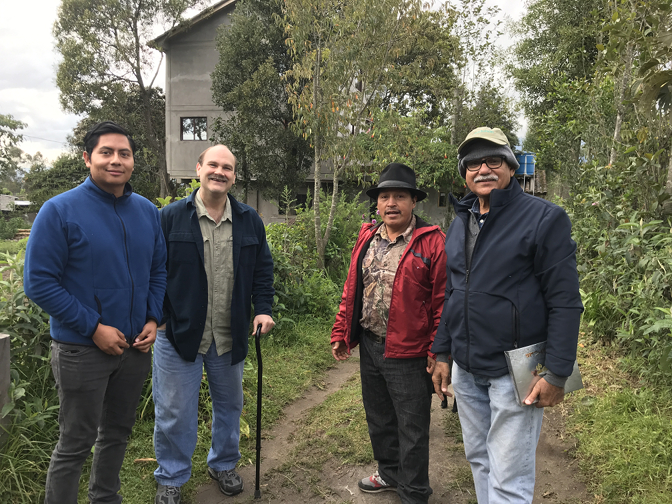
<point>493,162</point>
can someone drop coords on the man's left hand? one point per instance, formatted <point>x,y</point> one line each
<point>146,338</point>
<point>549,395</point>
<point>266,321</point>
<point>431,363</point>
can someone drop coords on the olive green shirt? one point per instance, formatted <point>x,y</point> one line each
<point>218,262</point>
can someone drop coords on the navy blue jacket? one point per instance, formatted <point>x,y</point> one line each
<point>522,288</point>
<point>186,302</point>
<point>94,258</point>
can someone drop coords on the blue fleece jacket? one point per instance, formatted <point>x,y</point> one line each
<point>94,258</point>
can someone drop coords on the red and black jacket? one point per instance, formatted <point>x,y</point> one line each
<point>417,294</point>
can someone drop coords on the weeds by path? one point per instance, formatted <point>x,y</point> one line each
<point>624,431</point>
<point>294,359</point>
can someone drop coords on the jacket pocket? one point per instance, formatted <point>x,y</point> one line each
<point>182,247</point>
<point>493,325</point>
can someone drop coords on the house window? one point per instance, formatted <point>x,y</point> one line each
<point>443,200</point>
<point>194,128</point>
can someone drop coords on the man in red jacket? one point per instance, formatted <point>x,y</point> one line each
<point>391,304</point>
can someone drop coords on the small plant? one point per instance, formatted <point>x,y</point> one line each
<point>33,406</point>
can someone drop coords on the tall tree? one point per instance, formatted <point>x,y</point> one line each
<point>477,29</point>
<point>556,39</point>
<point>640,48</point>
<point>10,154</point>
<point>248,83</point>
<point>554,65</point>
<point>43,183</point>
<point>346,57</point>
<point>127,110</point>
<point>105,56</point>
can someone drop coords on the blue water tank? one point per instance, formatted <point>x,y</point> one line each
<point>526,161</point>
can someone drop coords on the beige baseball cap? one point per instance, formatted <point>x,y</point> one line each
<point>494,135</point>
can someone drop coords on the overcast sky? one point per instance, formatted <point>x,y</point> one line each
<point>28,64</point>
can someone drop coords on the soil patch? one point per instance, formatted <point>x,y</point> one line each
<point>558,479</point>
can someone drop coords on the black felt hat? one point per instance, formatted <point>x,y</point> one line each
<point>397,176</point>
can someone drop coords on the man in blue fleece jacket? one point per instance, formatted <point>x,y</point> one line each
<point>512,282</point>
<point>96,262</point>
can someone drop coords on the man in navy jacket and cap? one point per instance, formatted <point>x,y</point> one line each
<point>512,282</point>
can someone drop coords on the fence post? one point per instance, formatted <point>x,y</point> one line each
<point>4,382</point>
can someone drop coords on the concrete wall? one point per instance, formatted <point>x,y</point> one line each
<point>191,56</point>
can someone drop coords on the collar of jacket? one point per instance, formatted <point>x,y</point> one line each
<point>90,185</point>
<point>421,227</point>
<point>498,198</point>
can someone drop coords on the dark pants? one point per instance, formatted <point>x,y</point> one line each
<point>397,399</point>
<point>99,394</point>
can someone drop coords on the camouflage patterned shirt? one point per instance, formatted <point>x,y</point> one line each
<point>378,271</point>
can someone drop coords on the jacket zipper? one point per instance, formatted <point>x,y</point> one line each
<point>516,326</point>
<point>466,289</point>
<point>128,265</point>
<point>403,255</point>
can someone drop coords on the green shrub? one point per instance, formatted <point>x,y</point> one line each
<point>33,406</point>
<point>9,227</point>
<point>13,247</point>
<point>301,287</point>
<point>624,257</point>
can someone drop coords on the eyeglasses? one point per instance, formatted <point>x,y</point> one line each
<point>492,163</point>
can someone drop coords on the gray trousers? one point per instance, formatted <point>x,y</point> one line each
<point>98,394</point>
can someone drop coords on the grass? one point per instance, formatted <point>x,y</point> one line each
<point>624,431</point>
<point>294,358</point>
<point>12,246</point>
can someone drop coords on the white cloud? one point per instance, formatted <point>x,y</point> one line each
<point>27,81</point>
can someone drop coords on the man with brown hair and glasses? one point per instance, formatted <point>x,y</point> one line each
<point>512,282</point>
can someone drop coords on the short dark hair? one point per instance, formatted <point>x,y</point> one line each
<point>103,128</point>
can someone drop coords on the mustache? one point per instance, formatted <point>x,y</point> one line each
<point>486,178</point>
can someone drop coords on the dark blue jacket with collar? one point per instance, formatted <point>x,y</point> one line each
<point>94,258</point>
<point>522,287</point>
<point>186,302</point>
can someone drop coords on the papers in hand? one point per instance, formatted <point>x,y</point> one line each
<point>526,367</point>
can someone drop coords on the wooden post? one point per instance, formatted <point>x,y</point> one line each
<point>4,382</point>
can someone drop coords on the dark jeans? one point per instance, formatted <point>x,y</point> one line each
<point>397,399</point>
<point>99,394</point>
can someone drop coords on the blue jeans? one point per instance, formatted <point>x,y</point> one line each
<point>98,394</point>
<point>500,437</point>
<point>176,385</point>
<point>397,400</point>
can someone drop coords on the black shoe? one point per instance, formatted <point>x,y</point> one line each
<point>230,482</point>
<point>166,494</point>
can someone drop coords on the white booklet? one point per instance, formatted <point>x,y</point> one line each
<point>526,367</point>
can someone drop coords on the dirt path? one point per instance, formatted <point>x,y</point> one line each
<point>558,480</point>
